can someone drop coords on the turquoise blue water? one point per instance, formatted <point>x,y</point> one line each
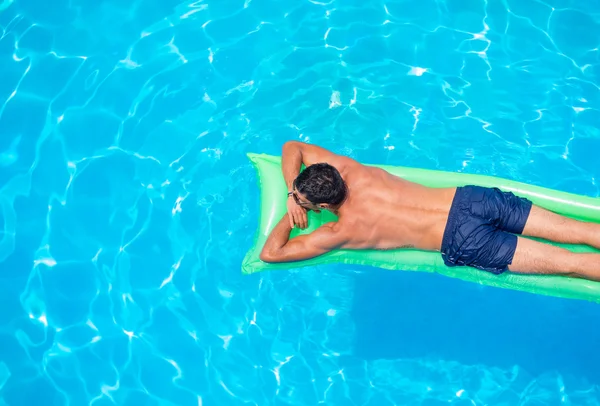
<point>127,202</point>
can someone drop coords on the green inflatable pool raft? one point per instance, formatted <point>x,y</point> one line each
<point>273,206</point>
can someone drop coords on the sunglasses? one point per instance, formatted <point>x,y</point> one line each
<point>298,201</point>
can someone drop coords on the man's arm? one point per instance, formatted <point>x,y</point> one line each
<point>296,153</point>
<point>279,247</point>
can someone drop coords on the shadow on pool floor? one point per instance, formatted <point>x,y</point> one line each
<point>419,315</point>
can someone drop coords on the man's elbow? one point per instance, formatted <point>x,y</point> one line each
<point>268,256</point>
<point>292,145</point>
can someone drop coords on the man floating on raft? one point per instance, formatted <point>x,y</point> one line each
<point>474,226</point>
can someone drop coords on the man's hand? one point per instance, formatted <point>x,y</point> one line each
<point>297,214</point>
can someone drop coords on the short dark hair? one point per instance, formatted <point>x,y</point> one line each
<point>321,183</point>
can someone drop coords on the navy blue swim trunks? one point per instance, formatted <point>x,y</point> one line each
<point>482,227</point>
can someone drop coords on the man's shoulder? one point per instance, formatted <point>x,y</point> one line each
<point>335,229</point>
<point>329,236</point>
<point>343,229</point>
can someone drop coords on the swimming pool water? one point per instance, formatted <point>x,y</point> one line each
<point>127,202</point>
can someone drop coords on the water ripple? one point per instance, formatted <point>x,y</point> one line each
<point>127,202</point>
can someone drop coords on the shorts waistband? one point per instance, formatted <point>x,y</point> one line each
<point>451,220</point>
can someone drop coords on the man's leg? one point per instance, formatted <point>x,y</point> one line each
<point>533,257</point>
<point>551,226</point>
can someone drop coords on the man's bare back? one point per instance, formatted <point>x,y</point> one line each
<point>386,212</point>
<point>473,226</point>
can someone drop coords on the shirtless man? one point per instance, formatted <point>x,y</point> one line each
<point>471,225</point>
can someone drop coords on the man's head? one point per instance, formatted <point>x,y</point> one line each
<point>320,186</point>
